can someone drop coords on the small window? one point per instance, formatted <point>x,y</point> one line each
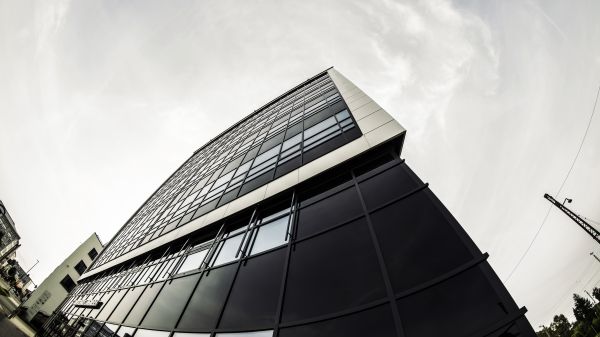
<point>67,283</point>
<point>93,253</point>
<point>229,248</point>
<point>80,267</point>
<point>193,261</point>
<point>271,234</point>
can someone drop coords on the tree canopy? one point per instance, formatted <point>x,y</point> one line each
<point>587,319</point>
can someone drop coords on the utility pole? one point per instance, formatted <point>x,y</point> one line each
<point>35,264</point>
<point>578,220</point>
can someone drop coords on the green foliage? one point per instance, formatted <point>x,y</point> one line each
<point>587,324</point>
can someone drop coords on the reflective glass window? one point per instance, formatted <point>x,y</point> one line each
<point>208,299</point>
<point>314,130</point>
<point>128,301</point>
<point>255,293</point>
<point>412,233</point>
<point>193,261</point>
<point>327,274</point>
<point>270,235</point>
<point>142,304</point>
<point>329,212</point>
<point>228,250</point>
<point>169,304</point>
<point>111,304</point>
<point>463,305</point>
<point>387,185</point>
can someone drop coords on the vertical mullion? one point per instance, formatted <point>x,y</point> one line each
<point>382,266</point>
<point>293,218</point>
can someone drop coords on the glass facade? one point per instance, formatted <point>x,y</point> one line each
<point>298,127</point>
<point>364,249</point>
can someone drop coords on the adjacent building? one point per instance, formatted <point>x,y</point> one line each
<point>54,289</point>
<point>300,220</point>
<point>9,238</point>
<point>13,278</point>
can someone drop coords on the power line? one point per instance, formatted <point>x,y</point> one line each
<point>559,190</point>
<point>568,292</point>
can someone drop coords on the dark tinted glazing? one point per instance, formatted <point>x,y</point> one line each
<point>413,234</point>
<point>328,274</point>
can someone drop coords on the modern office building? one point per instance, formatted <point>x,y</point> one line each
<point>300,220</point>
<point>54,289</point>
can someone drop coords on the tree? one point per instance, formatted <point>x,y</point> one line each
<point>596,294</point>
<point>583,309</point>
<point>560,326</point>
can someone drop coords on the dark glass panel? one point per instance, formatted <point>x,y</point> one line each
<point>250,154</point>
<point>413,233</point>
<point>373,163</point>
<point>111,304</point>
<point>293,130</point>
<point>142,304</point>
<point>255,293</point>
<point>186,218</point>
<point>331,272</point>
<point>271,142</point>
<point>229,196</point>
<point>317,118</point>
<point>457,307</point>
<point>387,185</point>
<point>208,299</point>
<point>257,182</point>
<point>206,208</point>
<point>232,165</point>
<point>215,175</point>
<point>339,106</point>
<point>288,166</point>
<point>128,301</point>
<point>352,134</point>
<point>324,148</point>
<point>167,307</point>
<point>376,322</point>
<point>328,212</point>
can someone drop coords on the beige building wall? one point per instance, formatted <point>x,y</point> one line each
<point>50,293</point>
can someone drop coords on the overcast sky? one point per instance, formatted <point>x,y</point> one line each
<point>100,101</point>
